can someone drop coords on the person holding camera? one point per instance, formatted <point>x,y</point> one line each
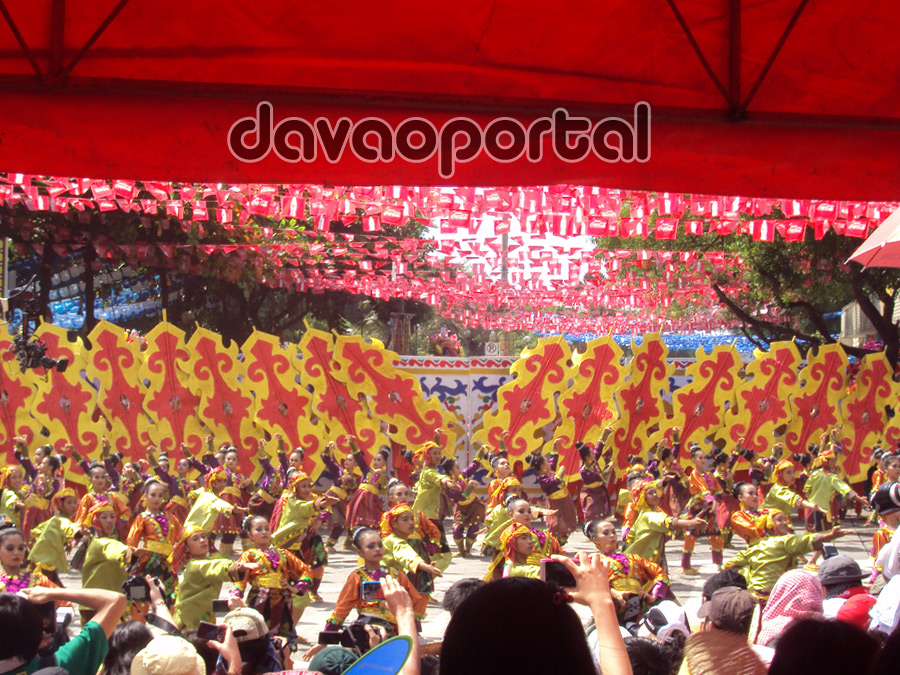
<point>22,630</point>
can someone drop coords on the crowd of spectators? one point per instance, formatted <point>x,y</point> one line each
<point>514,625</point>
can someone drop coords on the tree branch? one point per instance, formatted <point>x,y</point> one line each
<point>815,316</point>
<point>759,324</point>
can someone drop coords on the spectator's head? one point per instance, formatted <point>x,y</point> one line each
<point>730,609</point>
<point>814,647</point>
<point>168,655</point>
<point>21,628</point>
<point>666,621</point>
<point>209,654</point>
<point>332,660</point>
<point>839,573</point>
<point>796,595</point>
<point>126,640</point>
<point>648,657</point>
<point>429,665</point>
<point>486,633</point>
<point>458,592</point>
<point>252,635</point>
<point>888,656</point>
<point>726,578</point>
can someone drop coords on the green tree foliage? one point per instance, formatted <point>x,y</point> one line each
<point>224,273</point>
<point>783,290</point>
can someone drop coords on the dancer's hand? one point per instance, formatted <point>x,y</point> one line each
<point>836,532</point>
<point>430,569</point>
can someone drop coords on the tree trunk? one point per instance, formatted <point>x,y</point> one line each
<point>45,279</point>
<point>164,290</point>
<point>90,294</point>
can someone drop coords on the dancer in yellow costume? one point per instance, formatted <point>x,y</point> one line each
<point>397,526</point>
<point>201,577</point>
<point>763,563</point>
<point>648,536</point>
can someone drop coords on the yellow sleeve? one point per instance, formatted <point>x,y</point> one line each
<point>402,554</point>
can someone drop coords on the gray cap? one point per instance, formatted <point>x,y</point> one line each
<point>839,569</point>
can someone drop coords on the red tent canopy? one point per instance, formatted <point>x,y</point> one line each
<point>782,98</point>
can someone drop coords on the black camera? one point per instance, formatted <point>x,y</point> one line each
<point>32,353</point>
<point>29,350</point>
<point>136,589</point>
<point>351,636</point>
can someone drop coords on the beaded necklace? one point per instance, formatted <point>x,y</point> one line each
<point>160,521</point>
<point>13,583</point>
<point>273,556</point>
<point>369,575</point>
<point>619,561</point>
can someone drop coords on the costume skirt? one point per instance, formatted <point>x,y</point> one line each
<point>364,509</point>
<point>468,518</point>
<point>275,605</point>
<point>312,550</point>
<point>595,503</point>
<point>565,521</point>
